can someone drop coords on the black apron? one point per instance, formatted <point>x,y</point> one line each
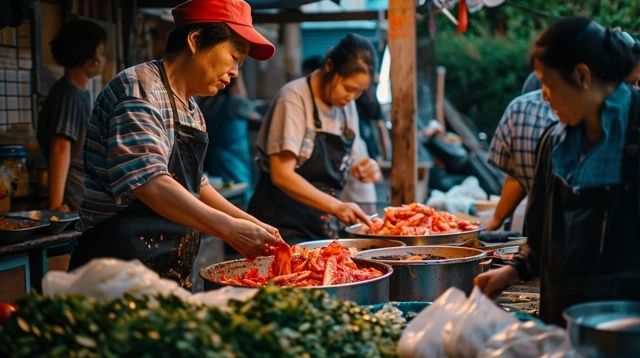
<point>326,169</point>
<point>140,233</point>
<point>589,241</point>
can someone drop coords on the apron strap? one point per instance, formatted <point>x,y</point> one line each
<point>630,162</point>
<point>172,100</point>
<point>346,131</point>
<point>316,117</point>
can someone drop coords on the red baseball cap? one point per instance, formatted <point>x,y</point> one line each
<point>235,13</point>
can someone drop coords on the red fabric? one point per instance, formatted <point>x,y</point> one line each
<point>463,20</point>
<point>235,13</point>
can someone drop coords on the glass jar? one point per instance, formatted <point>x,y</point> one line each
<point>14,158</point>
<point>5,190</point>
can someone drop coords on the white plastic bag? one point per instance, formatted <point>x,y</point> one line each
<point>529,339</point>
<point>466,334</point>
<point>106,279</point>
<point>460,198</point>
<point>423,335</point>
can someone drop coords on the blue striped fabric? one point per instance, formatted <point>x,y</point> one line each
<point>129,139</point>
<point>513,148</point>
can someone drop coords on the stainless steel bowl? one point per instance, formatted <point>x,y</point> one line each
<point>456,238</point>
<point>425,280</point>
<point>358,244</point>
<point>364,292</point>
<point>605,328</point>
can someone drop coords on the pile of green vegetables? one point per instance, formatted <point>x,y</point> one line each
<point>275,323</point>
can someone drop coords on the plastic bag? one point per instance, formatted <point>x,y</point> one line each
<point>106,279</point>
<point>423,335</point>
<point>460,198</point>
<point>467,334</point>
<point>529,339</point>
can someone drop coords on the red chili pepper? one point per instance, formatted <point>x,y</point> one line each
<point>463,20</point>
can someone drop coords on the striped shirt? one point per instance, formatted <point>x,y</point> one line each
<point>513,148</point>
<point>129,140</point>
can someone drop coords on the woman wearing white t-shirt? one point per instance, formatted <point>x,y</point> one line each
<point>306,146</point>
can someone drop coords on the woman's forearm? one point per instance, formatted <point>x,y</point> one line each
<point>171,200</point>
<point>59,160</point>
<point>214,199</point>
<point>512,194</point>
<point>297,187</point>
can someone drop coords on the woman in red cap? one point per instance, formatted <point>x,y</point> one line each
<point>306,147</point>
<point>145,194</point>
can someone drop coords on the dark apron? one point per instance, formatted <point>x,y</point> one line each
<point>326,169</point>
<point>591,249</point>
<point>140,233</point>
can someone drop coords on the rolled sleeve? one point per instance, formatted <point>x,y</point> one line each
<point>138,146</point>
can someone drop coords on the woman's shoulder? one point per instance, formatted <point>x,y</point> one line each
<point>141,81</point>
<point>294,90</point>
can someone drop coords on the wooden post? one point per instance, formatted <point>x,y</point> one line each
<point>402,46</point>
<point>441,72</point>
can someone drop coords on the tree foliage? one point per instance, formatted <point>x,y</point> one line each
<point>487,65</point>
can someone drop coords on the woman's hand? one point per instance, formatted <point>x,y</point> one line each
<point>493,224</point>
<point>367,170</point>
<point>251,240</point>
<point>350,213</point>
<point>493,282</point>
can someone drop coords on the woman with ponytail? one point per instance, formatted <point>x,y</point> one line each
<point>583,212</point>
<point>306,147</point>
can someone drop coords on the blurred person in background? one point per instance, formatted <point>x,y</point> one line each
<point>79,47</point>
<point>227,116</point>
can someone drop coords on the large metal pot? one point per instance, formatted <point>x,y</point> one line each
<point>456,238</point>
<point>364,292</point>
<point>358,244</point>
<point>605,328</point>
<point>425,280</point>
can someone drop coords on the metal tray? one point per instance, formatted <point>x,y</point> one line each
<point>54,226</point>
<point>358,244</point>
<point>454,238</point>
<point>10,236</point>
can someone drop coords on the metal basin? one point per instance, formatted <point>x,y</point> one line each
<point>605,328</point>
<point>425,280</point>
<point>364,292</point>
<point>456,238</point>
<point>358,244</point>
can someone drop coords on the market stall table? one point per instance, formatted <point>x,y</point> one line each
<point>32,254</point>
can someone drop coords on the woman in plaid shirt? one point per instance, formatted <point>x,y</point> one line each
<point>146,197</point>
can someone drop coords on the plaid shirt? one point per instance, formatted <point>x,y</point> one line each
<point>129,140</point>
<point>513,148</point>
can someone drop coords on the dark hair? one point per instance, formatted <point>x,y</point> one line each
<point>353,54</point>
<point>311,64</point>
<point>573,40</point>
<point>76,42</point>
<point>211,34</point>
